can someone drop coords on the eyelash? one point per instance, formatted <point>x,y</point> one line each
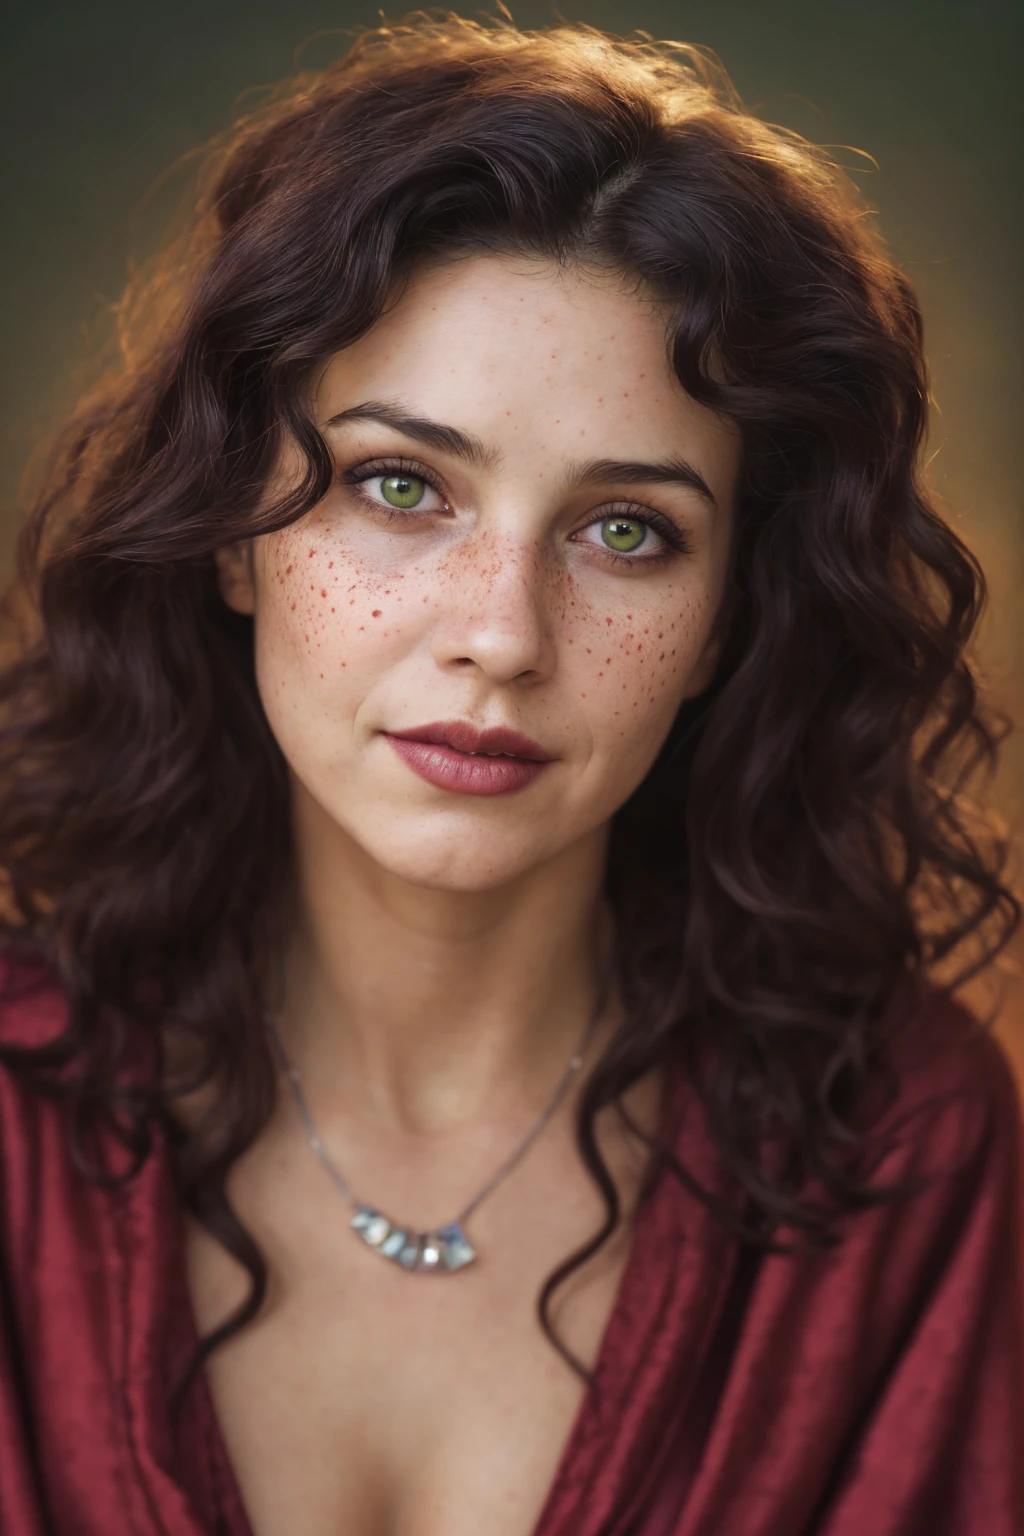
<point>676,541</point>
<point>374,469</point>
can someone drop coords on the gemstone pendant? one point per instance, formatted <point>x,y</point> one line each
<point>446,1249</point>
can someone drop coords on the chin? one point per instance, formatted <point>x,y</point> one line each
<point>470,863</point>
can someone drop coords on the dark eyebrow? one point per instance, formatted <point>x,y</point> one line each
<point>672,471</point>
<point>463,445</point>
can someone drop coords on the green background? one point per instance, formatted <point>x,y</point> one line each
<point>98,99</point>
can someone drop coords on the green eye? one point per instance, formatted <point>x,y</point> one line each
<point>623,534</point>
<point>403,491</point>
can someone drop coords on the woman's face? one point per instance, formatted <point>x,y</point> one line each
<point>528,533</point>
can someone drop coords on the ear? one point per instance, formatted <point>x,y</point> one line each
<point>235,576</point>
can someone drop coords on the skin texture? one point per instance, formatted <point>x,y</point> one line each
<point>447,948</point>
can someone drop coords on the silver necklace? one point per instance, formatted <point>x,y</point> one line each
<point>442,1249</point>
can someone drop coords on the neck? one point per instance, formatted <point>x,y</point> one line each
<point>428,1009</point>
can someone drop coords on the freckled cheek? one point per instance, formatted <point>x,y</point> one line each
<point>634,662</point>
<point>328,614</point>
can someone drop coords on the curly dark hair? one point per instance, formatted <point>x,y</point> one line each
<point>802,857</point>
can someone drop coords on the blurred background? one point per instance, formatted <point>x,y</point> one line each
<point>98,98</point>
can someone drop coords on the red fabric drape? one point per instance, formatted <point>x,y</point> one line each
<point>877,1390</point>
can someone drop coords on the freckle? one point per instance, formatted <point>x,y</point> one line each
<point>361,628</point>
<point>344,663</point>
<point>376,613</point>
<point>321,674</point>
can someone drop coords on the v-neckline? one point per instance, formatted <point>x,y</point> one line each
<point>641,1297</point>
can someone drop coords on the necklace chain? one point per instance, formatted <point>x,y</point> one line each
<point>447,1247</point>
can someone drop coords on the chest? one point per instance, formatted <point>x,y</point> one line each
<point>378,1402</point>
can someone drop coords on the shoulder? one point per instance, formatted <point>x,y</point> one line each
<point>65,1135</point>
<point>956,1098</point>
<point>33,1006</point>
<point>34,1018</point>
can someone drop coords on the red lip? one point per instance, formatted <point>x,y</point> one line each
<point>443,753</point>
<point>465,737</point>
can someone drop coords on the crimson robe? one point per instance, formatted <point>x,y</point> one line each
<point>875,1390</point>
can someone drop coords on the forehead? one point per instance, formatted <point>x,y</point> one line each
<point>523,352</point>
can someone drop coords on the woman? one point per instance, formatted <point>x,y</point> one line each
<point>481,807</point>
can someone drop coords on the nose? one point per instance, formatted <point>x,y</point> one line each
<point>494,612</point>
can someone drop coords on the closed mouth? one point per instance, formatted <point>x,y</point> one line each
<point>461,736</point>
